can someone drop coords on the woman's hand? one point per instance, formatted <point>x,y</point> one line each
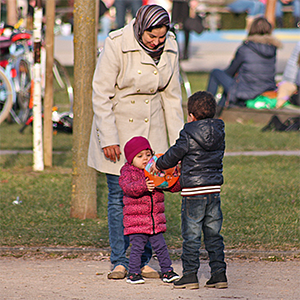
<point>112,152</point>
<point>150,184</point>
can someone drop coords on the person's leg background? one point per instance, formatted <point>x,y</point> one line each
<point>118,242</point>
<point>279,14</point>
<point>135,5</point>
<point>285,90</point>
<point>296,13</point>
<point>253,8</point>
<point>120,6</point>
<point>213,240</point>
<point>180,12</point>
<point>219,78</point>
<point>160,248</point>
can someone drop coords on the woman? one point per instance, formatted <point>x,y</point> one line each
<point>252,71</point>
<point>136,93</point>
<point>288,89</point>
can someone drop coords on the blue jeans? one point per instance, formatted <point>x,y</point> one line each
<point>252,7</point>
<point>296,8</point>
<point>219,77</point>
<point>121,8</point>
<point>118,241</point>
<point>202,213</point>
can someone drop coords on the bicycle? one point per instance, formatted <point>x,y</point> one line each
<point>20,60</point>
<point>16,67</point>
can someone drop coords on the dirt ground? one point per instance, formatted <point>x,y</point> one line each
<point>86,278</point>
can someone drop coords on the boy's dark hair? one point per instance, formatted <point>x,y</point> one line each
<point>202,105</point>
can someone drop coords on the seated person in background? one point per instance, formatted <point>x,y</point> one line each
<point>253,8</point>
<point>279,12</point>
<point>252,71</point>
<point>291,80</point>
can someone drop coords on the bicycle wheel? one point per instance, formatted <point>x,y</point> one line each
<point>7,95</point>
<point>62,88</point>
<point>22,85</point>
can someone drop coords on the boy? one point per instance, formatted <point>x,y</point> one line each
<point>200,148</point>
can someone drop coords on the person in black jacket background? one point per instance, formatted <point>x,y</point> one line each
<point>200,148</point>
<point>252,71</point>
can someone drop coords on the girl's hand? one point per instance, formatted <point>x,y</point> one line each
<point>150,184</point>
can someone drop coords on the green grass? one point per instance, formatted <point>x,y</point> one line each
<point>260,196</point>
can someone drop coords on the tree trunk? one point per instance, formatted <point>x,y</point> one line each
<point>48,101</point>
<point>270,12</point>
<point>84,196</point>
<point>12,15</point>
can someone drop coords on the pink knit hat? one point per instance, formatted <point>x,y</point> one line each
<point>135,146</point>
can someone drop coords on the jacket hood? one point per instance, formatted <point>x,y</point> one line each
<point>264,45</point>
<point>208,133</point>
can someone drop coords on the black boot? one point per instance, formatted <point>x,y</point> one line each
<point>218,281</point>
<point>189,281</point>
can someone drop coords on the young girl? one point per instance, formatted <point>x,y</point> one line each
<point>144,219</point>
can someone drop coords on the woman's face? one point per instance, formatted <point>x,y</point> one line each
<point>153,39</point>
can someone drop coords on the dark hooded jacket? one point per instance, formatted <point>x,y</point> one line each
<point>253,67</point>
<point>200,148</point>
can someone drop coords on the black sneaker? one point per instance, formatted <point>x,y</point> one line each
<point>169,276</point>
<point>135,278</point>
<point>189,281</point>
<point>218,281</point>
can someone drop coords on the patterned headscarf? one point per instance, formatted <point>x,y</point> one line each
<point>148,16</point>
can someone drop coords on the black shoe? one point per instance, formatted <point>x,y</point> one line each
<point>135,278</point>
<point>189,281</point>
<point>169,276</point>
<point>218,281</point>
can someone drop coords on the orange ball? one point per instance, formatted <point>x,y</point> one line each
<point>164,179</point>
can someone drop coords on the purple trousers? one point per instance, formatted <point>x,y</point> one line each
<point>138,242</point>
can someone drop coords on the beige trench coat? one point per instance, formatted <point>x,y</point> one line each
<point>134,97</point>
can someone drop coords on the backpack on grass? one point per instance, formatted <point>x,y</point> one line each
<point>291,124</point>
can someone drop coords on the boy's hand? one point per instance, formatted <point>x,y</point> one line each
<point>150,184</point>
<point>153,170</point>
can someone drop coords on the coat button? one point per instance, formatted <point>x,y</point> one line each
<point>138,90</point>
<point>146,120</point>
<point>155,72</point>
<point>152,91</point>
<point>147,101</point>
<point>130,120</point>
<point>139,72</point>
<point>132,101</point>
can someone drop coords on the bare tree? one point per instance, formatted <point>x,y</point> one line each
<point>83,202</point>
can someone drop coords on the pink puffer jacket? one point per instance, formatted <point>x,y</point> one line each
<point>143,211</point>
